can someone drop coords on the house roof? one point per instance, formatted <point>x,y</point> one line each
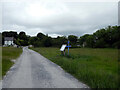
<point>9,38</point>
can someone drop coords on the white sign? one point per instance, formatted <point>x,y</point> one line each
<point>63,47</point>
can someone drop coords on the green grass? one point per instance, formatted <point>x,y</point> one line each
<point>9,53</point>
<point>98,68</point>
<point>119,66</point>
<point>0,62</point>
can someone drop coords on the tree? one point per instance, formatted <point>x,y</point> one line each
<point>0,39</point>
<point>35,41</point>
<point>90,41</point>
<point>47,41</point>
<point>24,39</point>
<point>41,36</point>
<point>57,42</point>
<point>9,34</point>
<point>22,36</point>
<point>73,40</point>
<point>100,38</point>
<point>83,39</point>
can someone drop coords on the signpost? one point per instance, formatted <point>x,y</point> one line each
<point>68,46</point>
<point>62,49</point>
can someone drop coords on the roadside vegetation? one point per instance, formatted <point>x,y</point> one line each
<point>119,66</point>
<point>9,53</point>
<point>0,62</point>
<point>98,68</point>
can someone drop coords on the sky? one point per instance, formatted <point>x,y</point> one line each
<point>58,18</point>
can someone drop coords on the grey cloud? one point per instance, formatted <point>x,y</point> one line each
<point>119,13</point>
<point>69,18</point>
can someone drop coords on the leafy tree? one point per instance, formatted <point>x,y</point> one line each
<point>47,42</point>
<point>38,44</point>
<point>72,38</point>
<point>104,38</point>
<point>35,41</point>
<point>23,38</point>
<point>0,39</point>
<point>41,36</point>
<point>57,42</point>
<point>90,41</point>
<point>9,34</point>
<point>83,39</point>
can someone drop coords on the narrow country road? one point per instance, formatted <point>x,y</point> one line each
<point>32,70</point>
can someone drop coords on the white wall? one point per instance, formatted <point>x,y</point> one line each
<point>8,42</point>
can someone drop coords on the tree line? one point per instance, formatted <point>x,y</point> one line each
<point>108,37</point>
<point>104,38</point>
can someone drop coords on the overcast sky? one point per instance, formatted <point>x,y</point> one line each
<point>58,18</point>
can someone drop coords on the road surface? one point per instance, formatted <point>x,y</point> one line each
<point>32,70</point>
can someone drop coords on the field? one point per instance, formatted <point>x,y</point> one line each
<point>9,53</point>
<point>98,68</point>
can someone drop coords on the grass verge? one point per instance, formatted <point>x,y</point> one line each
<point>0,62</point>
<point>98,68</point>
<point>9,53</point>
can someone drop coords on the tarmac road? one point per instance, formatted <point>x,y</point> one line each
<point>32,70</point>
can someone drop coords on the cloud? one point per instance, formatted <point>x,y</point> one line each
<point>58,18</point>
<point>119,13</point>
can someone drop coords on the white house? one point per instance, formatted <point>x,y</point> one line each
<point>8,41</point>
<point>84,44</point>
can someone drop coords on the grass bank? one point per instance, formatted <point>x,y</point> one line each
<point>9,53</point>
<point>0,62</point>
<point>98,68</point>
